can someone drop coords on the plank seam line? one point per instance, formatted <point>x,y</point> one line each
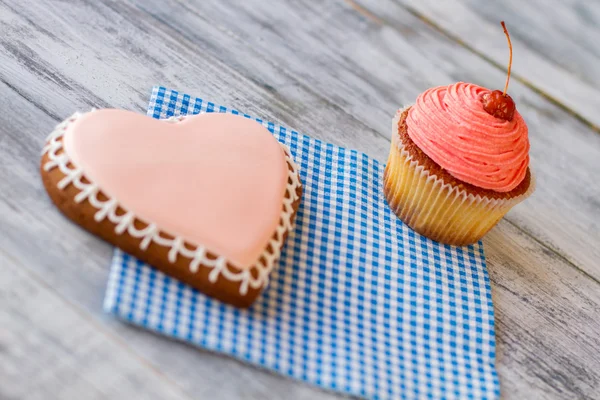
<point>364,12</point>
<point>27,99</point>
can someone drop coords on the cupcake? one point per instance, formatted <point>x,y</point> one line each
<point>459,161</point>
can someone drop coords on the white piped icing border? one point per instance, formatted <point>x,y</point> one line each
<point>152,233</point>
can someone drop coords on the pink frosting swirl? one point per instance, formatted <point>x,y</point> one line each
<point>450,125</point>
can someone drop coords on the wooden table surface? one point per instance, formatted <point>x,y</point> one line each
<point>336,70</point>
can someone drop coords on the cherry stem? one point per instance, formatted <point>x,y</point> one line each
<point>510,56</point>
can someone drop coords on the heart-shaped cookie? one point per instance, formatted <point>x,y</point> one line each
<point>208,199</point>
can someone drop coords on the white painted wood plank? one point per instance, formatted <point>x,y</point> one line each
<point>546,320</point>
<point>556,42</point>
<point>49,350</point>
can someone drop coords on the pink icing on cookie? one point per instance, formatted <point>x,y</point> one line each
<point>450,125</point>
<point>215,179</point>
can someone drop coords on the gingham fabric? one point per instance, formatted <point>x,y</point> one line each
<point>359,303</point>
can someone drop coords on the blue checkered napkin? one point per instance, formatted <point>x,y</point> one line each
<point>359,302</point>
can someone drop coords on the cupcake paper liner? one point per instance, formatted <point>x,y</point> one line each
<point>438,210</point>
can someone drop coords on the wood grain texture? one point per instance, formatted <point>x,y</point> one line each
<point>555,41</point>
<point>48,348</point>
<point>332,71</point>
<point>546,320</point>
